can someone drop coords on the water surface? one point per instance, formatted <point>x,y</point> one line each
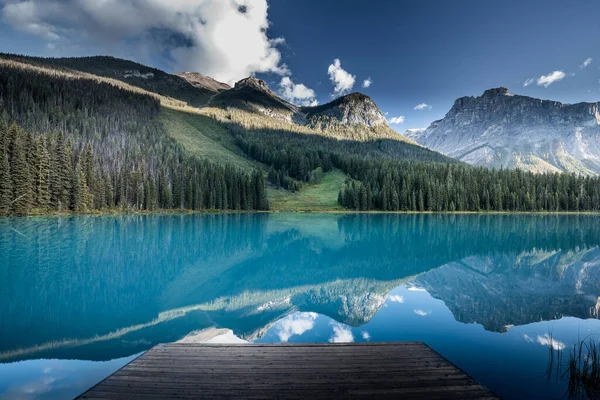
<point>81,296</point>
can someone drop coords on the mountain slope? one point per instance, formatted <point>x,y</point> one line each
<point>500,129</point>
<point>135,74</point>
<point>351,117</point>
<point>253,95</point>
<point>205,82</point>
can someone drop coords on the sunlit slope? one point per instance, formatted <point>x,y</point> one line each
<point>320,196</point>
<point>205,138</point>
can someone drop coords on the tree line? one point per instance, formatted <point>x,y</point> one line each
<point>78,145</point>
<point>403,177</point>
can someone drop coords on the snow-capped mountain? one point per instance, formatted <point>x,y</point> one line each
<point>501,129</point>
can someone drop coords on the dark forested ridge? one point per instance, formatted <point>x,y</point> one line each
<point>80,145</point>
<point>135,74</point>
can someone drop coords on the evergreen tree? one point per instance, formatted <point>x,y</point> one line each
<point>6,190</point>
<point>42,175</point>
<point>22,181</point>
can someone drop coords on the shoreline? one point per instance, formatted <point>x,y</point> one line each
<point>192,212</point>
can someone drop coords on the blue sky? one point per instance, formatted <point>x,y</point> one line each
<point>414,52</point>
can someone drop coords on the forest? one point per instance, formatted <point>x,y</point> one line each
<point>71,144</point>
<point>409,179</point>
<point>75,145</point>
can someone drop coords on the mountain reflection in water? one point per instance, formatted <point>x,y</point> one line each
<point>106,288</point>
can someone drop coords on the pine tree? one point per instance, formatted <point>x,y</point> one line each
<point>79,191</point>
<point>6,190</point>
<point>22,181</point>
<point>42,174</point>
<point>67,175</point>
<point>88,168</point>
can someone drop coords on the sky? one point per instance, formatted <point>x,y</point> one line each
<point>412,57</point>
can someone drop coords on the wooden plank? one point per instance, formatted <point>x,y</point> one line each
<point>382,370</point>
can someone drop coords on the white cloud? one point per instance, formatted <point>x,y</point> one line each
<point>422,106</point>
<point>226,338</point>
<point>367,82</point>
<point>396,298</point>
<point>342,80</point>
<point>297,93</point>
<point>547,80</point>
<point>295,324</point>
<point>422,313</point>
<point>546,340</point>
<point>416,289</point>
<point>366,335</point>
<point>226,40</point>
<point>341,334</point>
<point>527,338</point>
<point>528,82</point>
<point>587,62</point>
<point>397,120</point>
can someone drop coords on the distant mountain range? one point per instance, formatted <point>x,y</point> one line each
<point>505,290</point>
<point>503,130</point>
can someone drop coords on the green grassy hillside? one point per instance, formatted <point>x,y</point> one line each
<point>204,137</point>
<point>320,196</point>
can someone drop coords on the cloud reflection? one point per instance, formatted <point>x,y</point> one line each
<point>296,324</point>
<point>341,334</point>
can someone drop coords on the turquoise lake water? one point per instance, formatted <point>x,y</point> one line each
<point>81,296</point>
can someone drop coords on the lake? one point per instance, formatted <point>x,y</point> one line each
<point>82,296</point>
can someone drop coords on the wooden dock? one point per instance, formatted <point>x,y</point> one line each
<point>323,371</point>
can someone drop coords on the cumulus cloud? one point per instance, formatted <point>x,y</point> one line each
<point>547,80</point>
<point>587,62</point>
<point>397,120</point>
<point>341,334</point>
<point>528,82</point>
<point>367,82</point>
<point>296,324</point>
<point>422,106</point>
<point>366,335</point>
<point>396,298</point>
<point>297,93</point>
<point>226,40</point>
<point>342,80</point>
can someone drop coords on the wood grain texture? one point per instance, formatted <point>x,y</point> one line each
<point>289,371</point>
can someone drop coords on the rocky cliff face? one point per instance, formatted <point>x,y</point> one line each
<point>353,109</point>
<point>253,95</point>
<point>500,129</point>
<point>205,82</point>
<point>354,116</point>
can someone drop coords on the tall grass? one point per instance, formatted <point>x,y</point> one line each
<point>582,370</point>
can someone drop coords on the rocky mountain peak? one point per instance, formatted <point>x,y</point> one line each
<point>500,91</point>
<point>196,79</point>
<point>352,109</point>
<point>501,129</point>
<point>253,83</point>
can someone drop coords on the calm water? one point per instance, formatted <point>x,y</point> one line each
<point>82,296</point>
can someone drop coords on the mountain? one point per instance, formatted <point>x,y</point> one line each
<point>253,95</point>
<point>185,88</point>
<point>501,129</point>
<point>505,290</point>
<point>204,82</point>
<point>352,109</point>
<point>353,117</point>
